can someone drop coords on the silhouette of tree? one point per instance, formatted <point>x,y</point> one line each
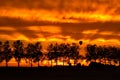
<point>66,52</point>
<point>91,52</point>
<point>38,53</point>
<point>7,52</point>
<point>18,51</point>
<point>50,54</point>
<point>30,53</point>
<point>100,53</point>
<point>33,52</point>
<point>53,52</point>
<point>113,54</point>
<point>74,54</point>
<point>80,57</point>
<point>63,51</point>
<point>105,53</point>
<point>1,52</point>
<point>56,52</point>
<point>118,55</point>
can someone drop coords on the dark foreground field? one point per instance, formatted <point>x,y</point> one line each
<point>61,73</point>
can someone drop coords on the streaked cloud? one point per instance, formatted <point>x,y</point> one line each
<point>49,29</point>
<point>60,20</point>
<point>106,33</point>
<point>90,32</point>
<point>7,28</point>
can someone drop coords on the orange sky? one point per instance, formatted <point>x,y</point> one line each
<point>93,21</point>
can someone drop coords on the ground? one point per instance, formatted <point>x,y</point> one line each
<point>93,72</point>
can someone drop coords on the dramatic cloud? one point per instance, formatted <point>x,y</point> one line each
<point>62,10</point>
<point>60,20</point>
<point>77,5</point>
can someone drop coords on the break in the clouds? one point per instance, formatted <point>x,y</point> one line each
<point>60,20</point>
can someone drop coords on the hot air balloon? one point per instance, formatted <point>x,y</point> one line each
<point>80,42</point>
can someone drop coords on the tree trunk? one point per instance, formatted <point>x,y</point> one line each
<point>119,62</point>
<point>56,62</point>
<point>63,61</point>
<point>51,63</point>
<point>26,60</point>
<point>69,62</point>
<point>6,64</point>
<point>18,64</point>
<point>38,64</point>
<point>74,62</point>
<point>31,63</point>
<point>19,59</point>
<point>110,62</point>
<point>105,61</point>
<point>95,60</point>
<point>100,60</point>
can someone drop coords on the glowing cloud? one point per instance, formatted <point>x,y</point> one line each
<point>7,28</point>
<point>63,20</point>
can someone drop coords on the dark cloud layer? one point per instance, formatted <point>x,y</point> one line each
<point>77,19</point>
<point>68,29</point>
<point>76,5</point>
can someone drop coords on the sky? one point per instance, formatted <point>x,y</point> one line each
<point>92,21</point>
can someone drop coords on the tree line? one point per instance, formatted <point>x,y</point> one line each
<point>106,53</point>
<point>33,53</point>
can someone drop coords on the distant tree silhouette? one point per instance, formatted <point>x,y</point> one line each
<point>105,53</point>
<point>91,52</point>
<point>50,54</point>
<point>109,53</point>
<point>38,53</point>
<point>1,52</point>
<point>33,52</point>
<point>66,52</point>
<point>74,53</point>
<point>112,53</point>
<point>55,53</point>
<point>79,56</point>
<point>118,56</point>
<point>63,51</point>
<point>7,52</point>
<point>18,51</point>
<point>100,52</point>
<point>30,53</point>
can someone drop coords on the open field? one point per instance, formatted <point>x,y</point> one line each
<point>60,73</point>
